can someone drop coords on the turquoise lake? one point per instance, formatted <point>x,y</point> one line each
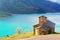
<point>25,22</point>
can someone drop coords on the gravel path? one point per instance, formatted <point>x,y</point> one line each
<point>45,37</point>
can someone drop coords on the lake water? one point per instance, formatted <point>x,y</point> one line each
<point>8,25</point>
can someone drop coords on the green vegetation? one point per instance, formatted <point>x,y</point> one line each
<point>56,33</point>
<point>4,14</point>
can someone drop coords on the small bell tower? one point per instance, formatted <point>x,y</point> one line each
<point>42,20</point>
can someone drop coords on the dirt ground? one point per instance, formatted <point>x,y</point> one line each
<point>45,37</point>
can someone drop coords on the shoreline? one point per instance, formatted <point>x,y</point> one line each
<point>42,37</point>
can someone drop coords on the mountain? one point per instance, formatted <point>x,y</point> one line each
<point>29,6</point>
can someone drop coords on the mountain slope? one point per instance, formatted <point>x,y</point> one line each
<point>29,6</point>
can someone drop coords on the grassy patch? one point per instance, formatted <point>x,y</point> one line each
<point>56,33</point>
<point>25,35</point>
